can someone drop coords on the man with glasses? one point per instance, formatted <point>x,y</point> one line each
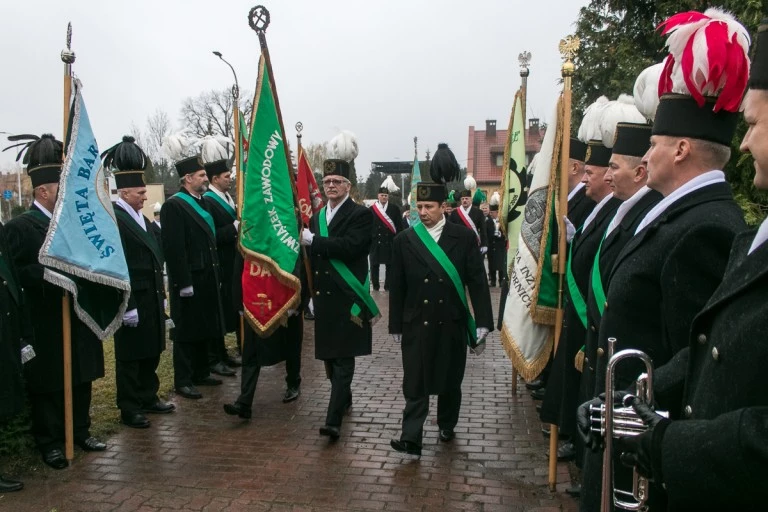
<point>338,243</point>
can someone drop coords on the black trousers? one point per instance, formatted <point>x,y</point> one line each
<point>137,384</point>
<point>251,369</point>
<point>342,371</point>
<point>48,416</point>
<point>190,362</point>
<point>217,351</point>
<point>417,409</point>
<point>375,275</point>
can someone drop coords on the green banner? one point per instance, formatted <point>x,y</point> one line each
<point>269,229</point>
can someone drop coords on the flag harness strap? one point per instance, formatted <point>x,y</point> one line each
<point>453,274</point>
<point>577,299</point>
<point>360,289</point>
<point>597,280</point>
<point>223,203</point>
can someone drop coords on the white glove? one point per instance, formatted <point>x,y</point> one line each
<point>397,337</point>
<point>481,333</point>
<point>306,236</point>
<point>187,291</point>
<point>131,318</point>
<point>483,250</point>
<point>292,312</point>
<point>165,304</point>
<point>478,349</point>
<point>570,229</point>
<point>237,224</point>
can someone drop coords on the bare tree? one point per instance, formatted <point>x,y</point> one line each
<point>210,113</point>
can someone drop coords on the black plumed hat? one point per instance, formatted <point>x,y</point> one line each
<point>444,167</point>
<point>758,77</point>
<point>128,163</point>
<point>42,155</point>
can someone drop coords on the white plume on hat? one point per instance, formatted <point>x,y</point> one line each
<point>176,145</point>
<point>590,125</point>
<point>495,199</point>
<point>470,183</point>
<point>156,207</point>
<point>646,91</point>
<point>213,148</point>
<point>344,146</point>
<point>622,110</point>
<point>389,184</point>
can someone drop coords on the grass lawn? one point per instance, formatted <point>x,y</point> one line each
<point>18,454</point>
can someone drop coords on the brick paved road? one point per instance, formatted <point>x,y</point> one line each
<point>201,459</point>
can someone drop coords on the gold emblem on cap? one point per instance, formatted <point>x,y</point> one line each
<point>330,167</point>
<point>588,154</point>
<point>422,192</point>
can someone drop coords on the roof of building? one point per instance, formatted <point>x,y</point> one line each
<point>481,159</point>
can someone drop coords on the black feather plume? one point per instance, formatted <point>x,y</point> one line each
<point>444,167</point>
<point>126,156</point>
<point>36,150</point>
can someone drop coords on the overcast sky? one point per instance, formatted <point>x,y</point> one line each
<point>387,71</point>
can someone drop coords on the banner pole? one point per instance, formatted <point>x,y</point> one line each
<point>68,57</point>
<point>307,264</point>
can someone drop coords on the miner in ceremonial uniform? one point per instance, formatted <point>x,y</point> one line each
<point>672,265</point>
<point>192,261</point>
<point>284,344</point>
<point>15,330</point>
<point>562,396</point>
<point>45,373</point>
<point>428,309</point>
<point>141,339</point>
<point>714,456</point>
<point>497,246</point>
<point>339,242</point>
<point>387,222</point>
<point>221,206</point>
<point>467,214</point>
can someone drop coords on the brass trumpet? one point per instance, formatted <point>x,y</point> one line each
<point>611,422</point>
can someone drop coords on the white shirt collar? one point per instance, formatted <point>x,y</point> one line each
<point>225,196</point>
<point>595,211</point>
<point>43,209</point>
<point>760,237</point>
<point>466,210</point>
<point>575,190</point>
<point>624,207</point>
<point>437,230</point>
<point>330,212</point>
<point>701,181</point>
<point>138,217</point>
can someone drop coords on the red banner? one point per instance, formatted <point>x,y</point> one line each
<point>310,200</point>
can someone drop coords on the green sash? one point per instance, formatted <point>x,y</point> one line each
<point>597,280</point>
<point>360,289</point>
<point>216,197</point>
<point>576,297</point>
<point>147,237</point>
<point>453,274</point>
<point>198,209</point>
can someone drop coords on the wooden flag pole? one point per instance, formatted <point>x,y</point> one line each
<point>68,57</point>
<point>568,48</point>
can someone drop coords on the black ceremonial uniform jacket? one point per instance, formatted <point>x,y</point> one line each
<point>381,244</point>
<point>579,207</point>
<point>144,257</point>
<point>609,251</point>
<point>349,240</point>
<point>191,258</point>
<point>561,399</point>
<point>478,218</point>
<point>13,329</point>
<point>226,245</point>
<point>45,373</point>
<point>425,308</point>
<point>717,457</point>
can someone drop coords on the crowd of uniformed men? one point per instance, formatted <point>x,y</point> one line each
<point>660,259</point>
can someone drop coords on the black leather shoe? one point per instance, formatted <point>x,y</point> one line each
<point>189,392</point>
<point>408,447</point>
<point>223,370</point>
<point>91,445</point>
<point>290,395</point>
<point>234,361</point>
<point>330,431</point>
<point>308,315</point>
<point>237,409</point>
<point>208,381</point>
<point>159,408</point>
<point>55,458</point>
<point>566,452</point>
<point>8,485</point>
<point>135,420</point>
<point>535,384</point>
<point>447,435</point>
<point>538,394</point>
